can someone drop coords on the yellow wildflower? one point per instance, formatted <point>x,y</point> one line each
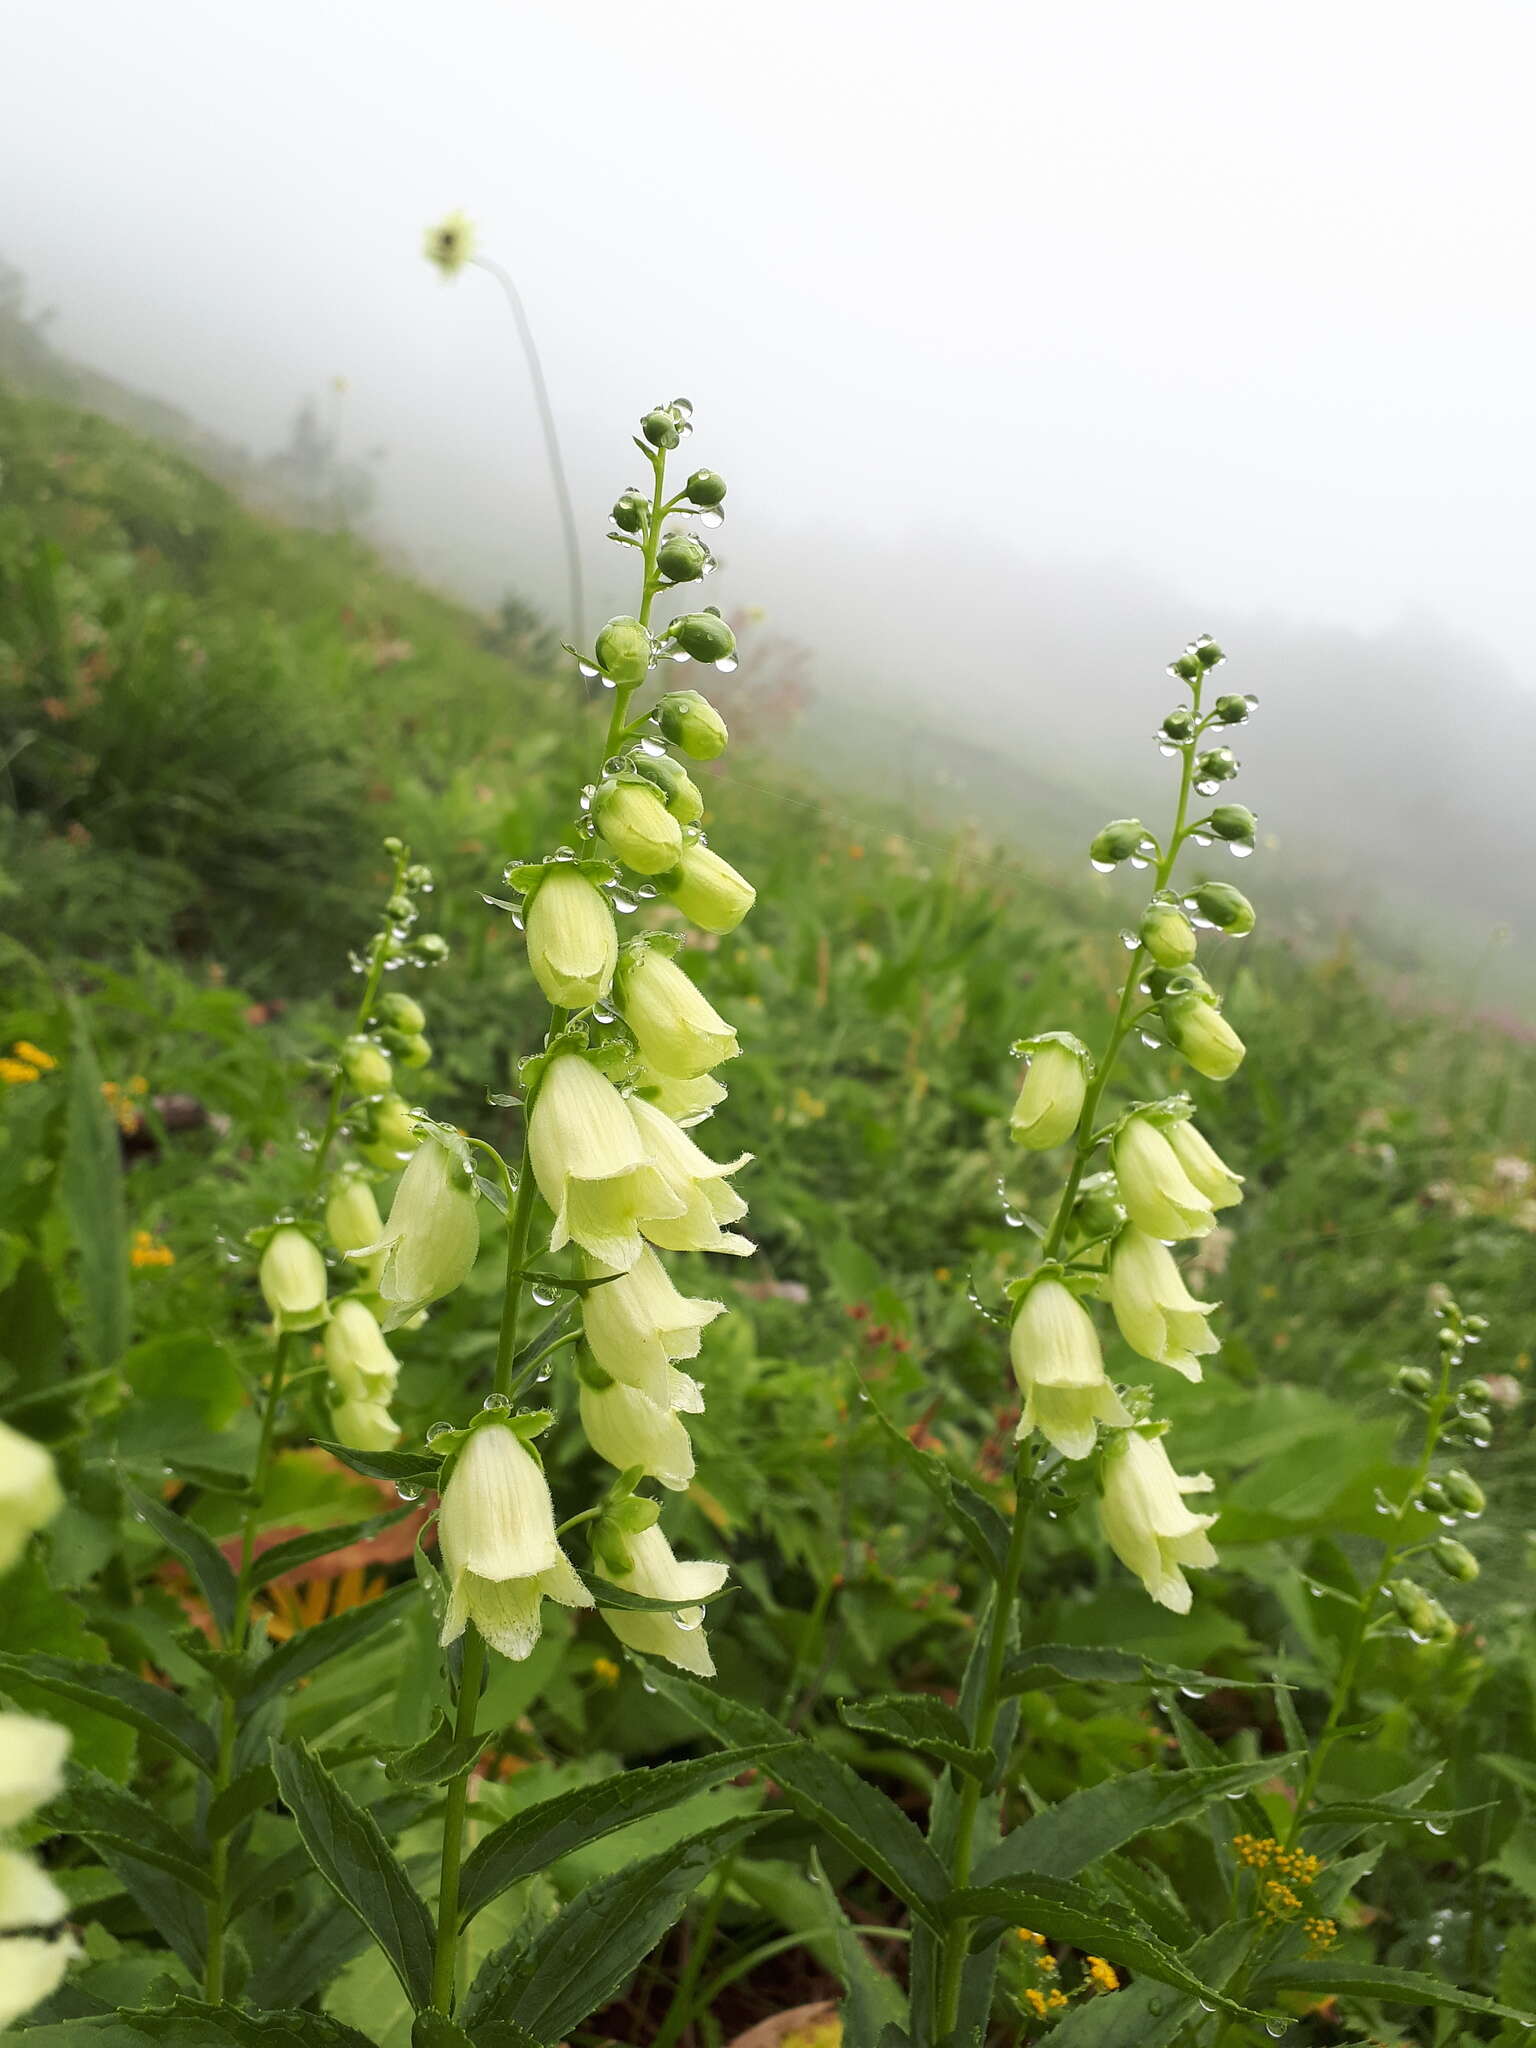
<point>34,1056</point>
<point>450,244</point>
<point>14,1072</point>
<point>147,1250</point>
<point>1321,1933</point>
<point>1102,1975</point>
<point>605,1670</point>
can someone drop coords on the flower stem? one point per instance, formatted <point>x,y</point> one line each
<point>218,1854</point>
<point>376,958</point>
<point>957,1940</point>
<point>445,1958</point>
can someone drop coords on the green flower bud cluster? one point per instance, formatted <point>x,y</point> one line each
<point>664,426</point>
<point>1424,1617</point>
<point>702,636</point>
<point>1121,839</point>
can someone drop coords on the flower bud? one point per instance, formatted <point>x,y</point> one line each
<point>1433,1498</point>
<point>366,1066</point>
<point>400,1012</point>
<point>1235,823</point>
<point>1221,1187</point>
<point>1414,1380</point>
<point>390,1133</point>
<point>1146,1523</point>
<point>637,825</point>
<point>624,651</point>
<point>1159,1196</point>
<point>682,559</point>
<point>292,1276</point>
<point>704,635</point>
<point>1425,1618</point>
<point>433,1233</point>
<point>496,1536</point>
<point>1208,654</point>
<point>708,890</point>
<point>676,1028</point>
<point>1050,1099</point>
<point>1463,1492</point>
<point>352,1216</point>
<point>430,948</point>
<point>29,1492</point>
<point>705,487</point>
<point>1217,764</point>
<point>679,792</point>
<point>364,1425</point>
<point>1232,710</point>
<point>32,1754</point>
<point>1168,935</point>
<point>1098,1209</point>
<point>1205,1038</point>
<point>1455,1560</point>
<point>657,1574</point>
<point>1118,841</point>
<point>361,1365</point>
<point>1179,724</point>
<point>1476,1394</point>
<point>1225,907</point>
<point>1053,1348</point>
<point>414,1050</point>
<point>660,428</point>
<point>691,722</point>
<point>572,940</point>
<point>629,512</point>
<point>1186,668</point>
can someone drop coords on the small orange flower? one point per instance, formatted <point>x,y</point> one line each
<point>147,1250</point>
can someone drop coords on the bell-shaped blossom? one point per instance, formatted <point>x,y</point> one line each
<point>352,1218</point>
<point>1054,1349</point>
<point>32,1753</point>
<point>638,1323</point>
<point>686,1102</point>
<point>657,1575</point>
<point>1157,1314</point>
<point>292,1277</point>
<point>699,1183</point>
<point>1146,1523</point>
<point>28,1895</point>
<point>1221,1187</point>
<point>573,943</point>
<point>1158,1194</point>
<point>593,1165</point>
<point>677,1029</point>
<point>364,1425</point>
<point>628,1428</point>
<point>361,1365</point>
<point>1050,1099</point>
<point>637,825</point>
<point>708,890</point>
<point>32,1968</point>
<point>433,1232</point>
<point>1203,1035</point>
<point>496,1535</point>
<point>29,1492</point>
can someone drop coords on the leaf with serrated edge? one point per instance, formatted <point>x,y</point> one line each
<point>109,1690</point>
<point>1339,1977</point>
<point>198,1552</point>
<point>301,1550</point>
<point>921,1722</point>
<point>314,1646</point>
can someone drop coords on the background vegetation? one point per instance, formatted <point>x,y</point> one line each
<point>208,722</point>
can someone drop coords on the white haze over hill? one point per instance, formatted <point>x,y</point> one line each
<point>1031,339</point>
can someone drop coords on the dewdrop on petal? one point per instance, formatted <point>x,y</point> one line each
<point>293,1280</point>
<point>1157,1314</point>
<point>30,1495</point>
<point>1145,1521</point>
<point>1159,1196</point>
<point>573,943</point>
<point>592,1165</point>
<point>1051,1096</point>
<point>700,1184</point>
<point>708,890</point>
<point>1054,1350</point>
<point>496,1535</point>
<point>1209,1172</point>
<point>677,1029</point>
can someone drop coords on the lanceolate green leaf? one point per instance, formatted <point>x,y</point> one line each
<point>100,1811</point>
<point>872,2002</point>
<point>1066,1838</point>
<point>186,2023</point>
<point>1069,1912</point>
<point>971,1513</point>
<point>315,1646</point>
<point>288,1556</point>
<point>92,1186</point>
<point>353,1857</point>
<point>534,1839</point>
<point>854,1813</point>
<point>1147,2014</point>
<point>1050,1664</point>
<point>405,1468</point>
<point>109,1690</point>
<point>1338,1977</point>
<point>921,1722</point>
<point>589,1951</point>
<point>200,1553</point>
<point>607,1594</point>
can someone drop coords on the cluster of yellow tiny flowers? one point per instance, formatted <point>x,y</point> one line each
<point>25,1062</point>
<point>119,1099</point>
<point>1280,1893</point>
<point>1263,1852</point>
<point>1102,1975</point>
<point>1045,2000</point>
<point>1043,2003</point>
<point>147,1250</point>
<point>1321,1933</point>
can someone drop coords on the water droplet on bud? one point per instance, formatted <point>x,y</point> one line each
<point>496,1404</point>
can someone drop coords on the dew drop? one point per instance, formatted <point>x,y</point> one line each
<point>646,892</point>
<point>622,902</point>
<point>1201,838</point>
<point>601,1014</point>
<point>1130,941</point>
<point>1166,749</point>
<point>1438,1827</point>
<point>1103,867</point>
<point>1013,1219</point>
<point>408,1493</point>
<point>689,1618</point>
<point>1150,1040</point>
<point>727,664</point>
<point>496,1404</point>
<point>1139,860</point>
<point>646,1685</point>
<point>544,1295</point>
<point>1241,848</point>
<point>712,518</point>
<point>439,1429</point>
<point>652,747</point>
<point>585,668</point>
<point>1206,786</point>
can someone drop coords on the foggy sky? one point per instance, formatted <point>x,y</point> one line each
<point>1201,313</point>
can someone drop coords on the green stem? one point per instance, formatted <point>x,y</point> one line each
<point>218,1854</point>
<point>376,959</point>
<point>445,1958</point>
<point>956,1941</point>
<point>680,2011</point>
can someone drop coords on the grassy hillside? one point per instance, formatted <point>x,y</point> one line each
<point>208,723</point>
